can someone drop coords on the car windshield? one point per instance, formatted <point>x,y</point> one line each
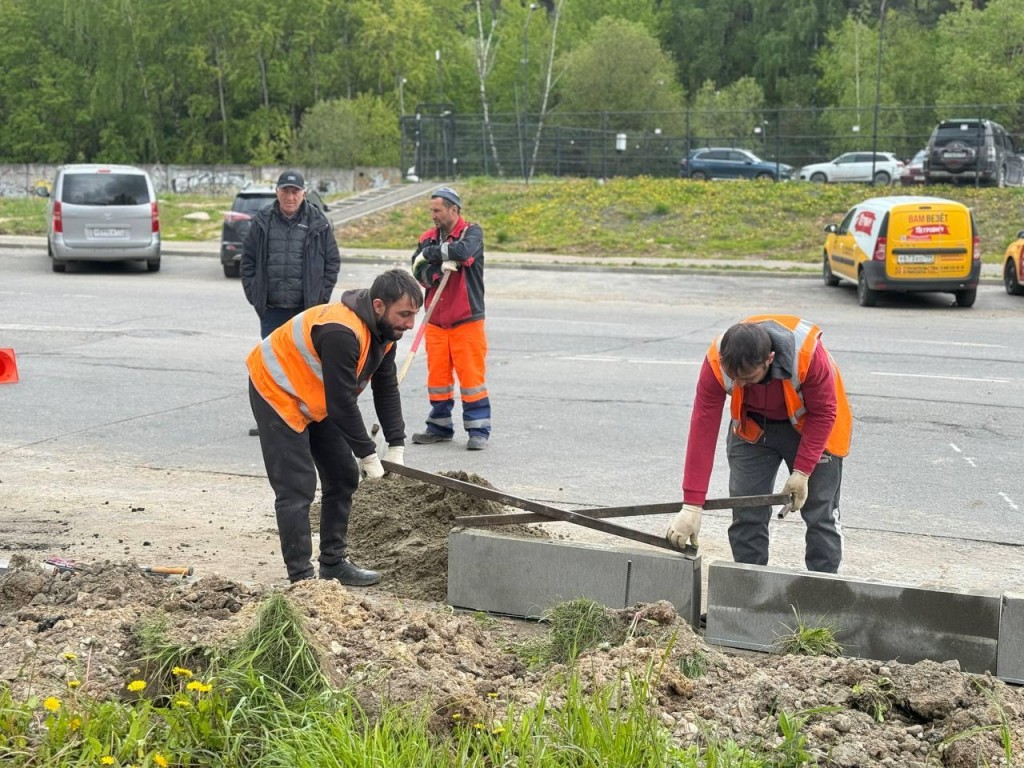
<point>252,203</point>
<point>968,133</point>
<point>105,189</point>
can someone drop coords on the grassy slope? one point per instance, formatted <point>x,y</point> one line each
<point>635,217</point>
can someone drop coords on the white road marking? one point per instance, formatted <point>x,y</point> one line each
<point>953,343</point>
<point>970,460</point>
<point>1013,505</point>
<point>935,376</point>
<point>955,448</point>
<point>635,361</point>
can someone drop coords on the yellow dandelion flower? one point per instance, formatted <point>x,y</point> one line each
<point>492,695</point>
<point>183,702</point>
<point>160,760</point>
<point>457,716</point>
<point>69,656</point>
<point>75,723</point>
<point>181,672</point>
<point>74,683</point>
<point>52,704</point>
<point>137,685</point>
<point>478,726</point>
<point>498,729</point>
<point>195,685</point>
<point>107,760</point>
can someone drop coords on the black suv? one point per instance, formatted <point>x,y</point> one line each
<point>236,222</point>
<point>973,151</point>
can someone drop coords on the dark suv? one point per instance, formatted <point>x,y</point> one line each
<point>973,151</point>
<point>236,222</point>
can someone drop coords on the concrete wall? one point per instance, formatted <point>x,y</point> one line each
<point>21,180</point>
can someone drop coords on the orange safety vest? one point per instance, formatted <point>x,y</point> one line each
<point>806,339</point>
<point>286,370</point>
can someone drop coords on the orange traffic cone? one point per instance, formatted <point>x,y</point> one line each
<point>8,367</point>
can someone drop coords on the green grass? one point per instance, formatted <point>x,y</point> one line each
<point>646,217</point>
<point>806,639</point>
<point>264,702</point>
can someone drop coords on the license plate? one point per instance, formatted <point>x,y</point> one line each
<point>914,258</point>
<point>955,155</point>
<point>109,232</point>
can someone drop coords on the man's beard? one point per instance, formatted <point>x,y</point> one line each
<point>388,332</point>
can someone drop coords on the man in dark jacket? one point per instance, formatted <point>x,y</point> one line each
<point>290,258</point>
<point>309,420</point>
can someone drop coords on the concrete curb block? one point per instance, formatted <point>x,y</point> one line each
<point>751,606</point>
<point>525,577</point>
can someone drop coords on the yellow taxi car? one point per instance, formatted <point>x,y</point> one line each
<point>904,244</point>
<point>1013,266</point>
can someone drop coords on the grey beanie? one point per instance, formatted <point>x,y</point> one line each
<point>449,194</point>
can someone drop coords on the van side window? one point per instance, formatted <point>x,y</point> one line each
<point>845,226</point>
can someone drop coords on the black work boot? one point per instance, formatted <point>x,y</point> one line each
<point>349,574</point>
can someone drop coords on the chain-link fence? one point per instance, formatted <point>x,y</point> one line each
<point>438,143</point>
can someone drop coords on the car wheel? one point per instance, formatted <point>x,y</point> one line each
<point>826,271</point>
<point>153,265</point>
<point>763,176</point>
<point>819,178</point>
<point>866,297</point>
<point>966,298</point>
<point>699,176</point>
<point>1013,286</point>
<point>58,266</point>
<point>231,270</point>
<point>882,179</point>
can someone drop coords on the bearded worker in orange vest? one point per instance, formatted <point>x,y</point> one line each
<point>455,336</point>
<point>304,382</point>
<point>787,405</point>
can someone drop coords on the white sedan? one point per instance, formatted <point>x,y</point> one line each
<point>855,166</point>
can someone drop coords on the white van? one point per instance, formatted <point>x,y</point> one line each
<point>103,213</point>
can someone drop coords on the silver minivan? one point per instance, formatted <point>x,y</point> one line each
<point>103,213</point>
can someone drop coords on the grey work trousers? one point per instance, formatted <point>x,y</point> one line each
<point>752,471</point>
<point>293,460</point>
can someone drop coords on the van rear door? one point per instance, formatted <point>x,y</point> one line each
<point>106,209</point>
<point>929,240</point>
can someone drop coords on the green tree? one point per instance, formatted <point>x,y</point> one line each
<point>345,133</point>
<point>733,116</point>
<point>621,68</point>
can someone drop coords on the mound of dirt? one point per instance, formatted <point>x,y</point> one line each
<point>400,527</point>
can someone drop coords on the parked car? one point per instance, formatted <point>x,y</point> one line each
<point>855,166</point>
<point>905,244</point>
<point>913,172</point>
<point>102,213</point>
<point>973,151</point>
<point>1013,266</point>
<point>246,204</point>
<point>728,163</point>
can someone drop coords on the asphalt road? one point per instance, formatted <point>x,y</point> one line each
<point>591,375</point>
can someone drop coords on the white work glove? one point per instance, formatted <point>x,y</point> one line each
<point>419,265</point>
<point>396,454</point>
<point>450,266</point>
<point>685,527</point>
<point>370,467</point>
<point>797,486</point>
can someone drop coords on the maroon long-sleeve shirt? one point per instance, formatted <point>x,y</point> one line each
<point>819,393</point>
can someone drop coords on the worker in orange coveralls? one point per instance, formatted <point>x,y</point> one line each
<point>455,336</point>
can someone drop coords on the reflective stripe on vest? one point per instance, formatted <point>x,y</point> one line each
<point>805,341</point>
<point>287,372</point>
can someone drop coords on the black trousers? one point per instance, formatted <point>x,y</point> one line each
<point>293,460</point>
<point>752,470</point>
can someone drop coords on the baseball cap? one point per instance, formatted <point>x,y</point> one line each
<point>449,194</point>
<point>291,179</point>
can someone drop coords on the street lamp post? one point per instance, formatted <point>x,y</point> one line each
<point>440,77</point>
<point>878,92</point>
<point>401,95</point>
<point>522,102</point>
